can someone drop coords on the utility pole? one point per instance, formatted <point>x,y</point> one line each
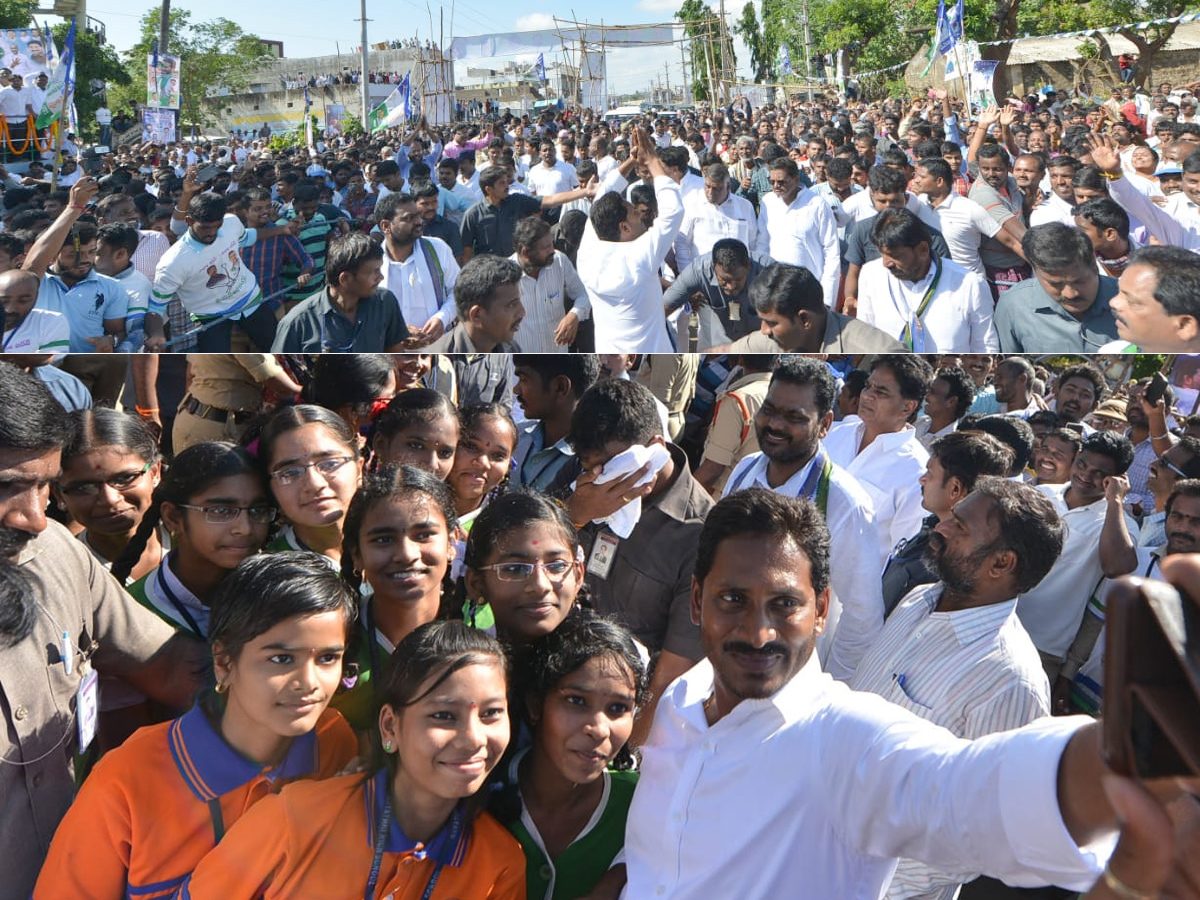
<point>724,63</point>
<point>687,91</point>
<point>363,80</point>
<point>164,26</point>
<point>807,52</point>
<point>667,77</point>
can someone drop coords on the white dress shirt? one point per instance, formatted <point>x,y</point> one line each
<point>1053,610</point>
<point>1052,209</point>
<point>544,181</point>
<point>543,297</point>
<point>413,284</point>
<point>972,671</point>
<point>803,233</point>
<point>963,224</point>
<point>958,319</point>
<point>816,791</point>
<point>888,469</point>
<point>705,223</point>
<point>856,601</point>
<point>622,277</point>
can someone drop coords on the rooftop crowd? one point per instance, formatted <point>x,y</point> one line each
<point>576,625</point>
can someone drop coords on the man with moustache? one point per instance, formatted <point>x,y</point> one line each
<point>954,652</point>
<point>62,622</point>
<point>756,724</point>
<point>1181,462</point>
<point>795,415</point>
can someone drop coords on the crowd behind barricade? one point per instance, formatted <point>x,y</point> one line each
<point>571,625</point>
<point>1047,225</point>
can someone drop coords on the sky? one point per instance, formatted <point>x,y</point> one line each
<point>320,27</point>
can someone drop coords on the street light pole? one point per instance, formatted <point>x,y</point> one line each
<point>363,80</point>
<point>164,26</point>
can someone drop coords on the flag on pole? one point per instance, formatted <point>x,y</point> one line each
<point>308,123</point>
<point>944,32</point>
<point>954,21</point>
<point>61,86</point>
<point>785,60</point>
<point>540,68</point>
<point>395,109</point>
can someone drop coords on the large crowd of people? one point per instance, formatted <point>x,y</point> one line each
<point>1045,225</point>
<point>566,626</point>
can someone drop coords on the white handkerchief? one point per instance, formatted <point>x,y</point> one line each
<point>623,521</point>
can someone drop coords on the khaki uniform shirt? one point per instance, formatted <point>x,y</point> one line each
<point>231,380</point>
<point>37,696</point>
<point>731,436</point>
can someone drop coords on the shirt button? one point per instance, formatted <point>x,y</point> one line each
<point>20,713</point>
<point>660,890</point>
<point>545,872</point>
<point>37,779</point>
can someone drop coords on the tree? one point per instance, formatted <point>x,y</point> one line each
<point>93,62</point>
<point>215,53</point>
<point>700,25</point>
<point>17,13</point>
<point>762,49</point>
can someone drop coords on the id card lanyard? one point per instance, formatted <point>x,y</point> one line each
<point>913,335</point>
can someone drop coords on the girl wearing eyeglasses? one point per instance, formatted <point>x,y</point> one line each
<point>156,805</point>
<point>310,457</point>
<point>523,567</point>
<point>416,829</point>
<point>110,468</point>
<point>216,508</point>
<point>566,796</point>
<point>397,549</point>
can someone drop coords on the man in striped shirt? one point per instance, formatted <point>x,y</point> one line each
<point>954,652</point>
<point>548,281</point>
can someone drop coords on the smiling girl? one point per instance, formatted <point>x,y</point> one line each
<point>152,808</point>
<point>413,830</point>
<point>110,468</point>
<point>482,460</point>
<point>216,508</point>
<point>310,457</point>
<point>418,428</point>
<point>398,547</point>
<point>562,800</point>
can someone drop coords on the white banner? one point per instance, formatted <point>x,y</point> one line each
<point>592,88</point>
<point>548,40</point>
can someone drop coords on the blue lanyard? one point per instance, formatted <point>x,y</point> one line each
<point>381,839</point>
<point>176,602</point>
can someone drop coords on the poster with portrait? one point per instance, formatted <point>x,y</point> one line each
<point>162,81</point>
<point>158,126</point>
<point>333,119</point>
<point>27,51</point>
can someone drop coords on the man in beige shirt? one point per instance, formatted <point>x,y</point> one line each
<point>671,377</point>
<point>63,621</point>
<point>225,392</point>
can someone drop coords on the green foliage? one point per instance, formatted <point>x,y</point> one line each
<point>282,140</point>
<point>1146,364</point>
<point>762,49</point>
<point>351,126</point>
<point>17,13</point>
<point>216,54</point>
<point>699,24</point>
<point>93,62</point>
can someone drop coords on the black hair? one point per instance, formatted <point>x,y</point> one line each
<point>391,481</point>
<point>193,471</point>
<point>207,207</point>
<point>938,168</point>
<point>1069,436</point>
<point>580,638</point>
<point>422,190</point>
<point>341,378</point>
<point>1088,373</point>
<point>855,381</point>
<point>1011,431</point>
<point>447,163</point>
<point>581,369</point>
<point>1184,487</point>
<point>674,157</point>
<point>912,373</point>
<point>418,406</point>
<point>289,418</point>
<point>962,388</point>
<point>766,514</point>
<point>347,253</point>
<point>838,167</point>
<point>643,193</point>
<point>1104,212</point>
<point>36,420</point>
<point>993,151</point>
<point>528,231</point>
<point>969,455</point>
<point>1064,161</point>
<point>1046,417</point>
<point>101,427</point>
<point>520,508</point>
<point>12,244</point>
<point>894,156</point>
<point>786,289</point>
<point>306,192</point>
<point>1177,277</point>
<point>898,228</point>
<point>270,588</point>
<point>608,212</point>
<point>1028,525</point>
<point>730,254</point>
<point>614,410</point>
<point>1116,447</point>
<point>804,370</point>
<point>489,176</point>
<point>479,278</point>
<point>1090,177</point>
<point>886,180</point>
<point>387,167</point>
<point>784,164</point>
<point>386,209</point>
<point>119,236</point>
<point>1055,247</point>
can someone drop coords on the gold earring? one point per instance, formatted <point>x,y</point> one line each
<point>221,687</point>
